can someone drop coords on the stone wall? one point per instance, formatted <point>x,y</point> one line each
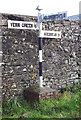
<point>61,57</point>
<point>0,71</point>
<point>79,54</point>
<point>61,64</point>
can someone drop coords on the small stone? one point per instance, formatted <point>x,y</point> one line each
<point>31,46</point>
<point>1,52</point>
<point>31,66</point>
<point>74,54</point>
<point>24,70</point>
<point>11,71</point>
<point>5,37</point>
<point>19,51</point>
<point>14,85</point>
<point>66,61</point>
<point>26,114</point>
<point>22,52</point>
<point>23,39</point>
<point>16,41</point>
<point>1,64</point>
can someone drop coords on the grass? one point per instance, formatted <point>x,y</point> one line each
<point>67,105</point>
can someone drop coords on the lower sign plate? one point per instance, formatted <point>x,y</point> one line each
<point>50,34</point>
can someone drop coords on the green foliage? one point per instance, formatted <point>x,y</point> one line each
<point>0,110</point>
<point>13,106</point>
<point>76,88</point>
<point>67,105</point>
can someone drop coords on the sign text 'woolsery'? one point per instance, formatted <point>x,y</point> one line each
<point>50,34</point>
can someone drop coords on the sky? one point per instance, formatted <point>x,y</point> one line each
<point>28,7</point>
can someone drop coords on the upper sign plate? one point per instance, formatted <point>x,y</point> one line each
<point>22,25</point>
<point>52,17</point>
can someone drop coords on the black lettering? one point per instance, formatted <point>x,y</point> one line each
<point>51,34</point>
<point>23,25</point>
<point>55,34</point>
<point>35,25</point>
<point>31,25</point>
<point>18,24</point>
<point>58,34</point>
<point>45,34</point>
<point>15,24</point>
<point>27,25</point>
<point>48,34</point>
<point>11,24</point>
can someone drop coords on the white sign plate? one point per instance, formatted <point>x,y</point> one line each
<point>22,25</point>
<point>50,34</point>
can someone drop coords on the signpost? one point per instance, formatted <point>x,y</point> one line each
<point>42,34</point>
<point>40,48</point>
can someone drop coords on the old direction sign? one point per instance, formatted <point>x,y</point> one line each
<point>22,25</point>
<point>50,34</point>
<point>52,17</point>
<point>12,24</point>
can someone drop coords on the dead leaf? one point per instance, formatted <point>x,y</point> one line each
<point>35,75</point>
<point>60,110</point>
<point>71,113</point>
<point>78,109</point>
<point>12,114</point>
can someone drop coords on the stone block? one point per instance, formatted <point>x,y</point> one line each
<point>35,93</point>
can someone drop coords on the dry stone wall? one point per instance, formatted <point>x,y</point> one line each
<point>61,61</point>
<point>0,72</point>
<point>61,55</point>
<point>79,54</point>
